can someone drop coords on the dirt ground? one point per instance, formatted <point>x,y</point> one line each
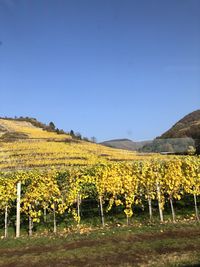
<point>122,250</point>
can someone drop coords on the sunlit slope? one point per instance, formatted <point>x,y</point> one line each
<point>42,149</point>
<point>188,126</point>
<point>29,130</point>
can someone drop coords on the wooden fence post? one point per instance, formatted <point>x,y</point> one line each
<point>18,209</point>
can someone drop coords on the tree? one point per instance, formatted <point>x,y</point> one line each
<point>93,139</point>
<point>191,150</point>
<point>78,136</point>
<point>72,133</point>
<point>52,126</point>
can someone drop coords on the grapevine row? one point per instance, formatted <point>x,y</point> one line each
<point>125,184</point>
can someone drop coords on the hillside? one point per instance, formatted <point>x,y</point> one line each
<point>17,129</point>
<point>26,146</point>
<point>125,144</point>
<point>180,138</point>
<point>188,126</point>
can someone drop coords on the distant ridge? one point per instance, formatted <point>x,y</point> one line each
<point>125,143</point>
<point>180,138</point>
<point>188,126</point>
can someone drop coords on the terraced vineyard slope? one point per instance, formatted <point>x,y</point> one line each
<point>25,146</point>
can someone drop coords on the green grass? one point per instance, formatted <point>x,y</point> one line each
<point>139,244</point>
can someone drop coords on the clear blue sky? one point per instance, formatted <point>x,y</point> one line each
<point>104,68</point>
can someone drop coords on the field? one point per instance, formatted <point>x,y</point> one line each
<point>76,203</point>
<point>24,146</point>
<point>140,245</point>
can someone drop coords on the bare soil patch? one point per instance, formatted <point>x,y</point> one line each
<point>123,250</point>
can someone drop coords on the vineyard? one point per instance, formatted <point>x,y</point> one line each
<point>41,149</point>
<point>128,185</point>
<point>46,174</point>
